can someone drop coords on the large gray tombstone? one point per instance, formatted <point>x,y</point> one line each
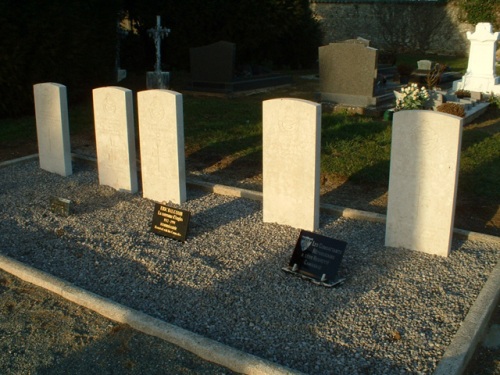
<point>115,138</point>
<point>425,159</point>
<point>213,63</point>
<point>52,128</point>
<point>291,162</point>
<point>161,134</point>
<point>348,73</point>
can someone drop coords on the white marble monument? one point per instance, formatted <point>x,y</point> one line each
<point>291,162</point>
<point>481,74</point>
<point>52,128</point>
<point>425,157</point>
<point>115,138</point>
<point>161,134</point>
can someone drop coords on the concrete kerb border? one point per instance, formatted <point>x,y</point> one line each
<point>454,361</point>
<point>463,345</point>
<point>203,347</point>
<point>24,159</point>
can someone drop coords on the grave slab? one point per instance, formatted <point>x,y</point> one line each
<point>213,70</point>
<point>423,180</point>
<point>115,138</point>
<point>348,72</point>
<point>52,128</point>
<point>161,134</point>
<point>291,162</point>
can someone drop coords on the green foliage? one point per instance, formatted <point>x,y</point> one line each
<point>456,64</point>
<point>494,100</point>
<point>23,128</point>
<point>68,42</point>
<point>356,147</point>
<point>476,11</point>
<point>412,97</point>
<point>268,32</point>
<point>479,172</point>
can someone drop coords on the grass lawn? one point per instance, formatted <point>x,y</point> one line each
<point>353,147</point>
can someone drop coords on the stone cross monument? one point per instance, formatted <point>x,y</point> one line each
<point>480,75</point>
<point>158,79</point>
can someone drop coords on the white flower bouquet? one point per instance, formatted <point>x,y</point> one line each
<point>412,97</point>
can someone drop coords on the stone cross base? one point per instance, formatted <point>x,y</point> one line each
<point>157,80</point>
<point>478,84</point>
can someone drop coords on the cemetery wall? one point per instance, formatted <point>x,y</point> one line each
<point>395,27</point>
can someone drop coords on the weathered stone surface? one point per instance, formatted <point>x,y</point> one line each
<point>347,73</point>
<point>425,158</point>
<point>115,138</point>
<point>291,162</point>
<point>161,134</point>
<point>52,128</point>
<point>481,75</point>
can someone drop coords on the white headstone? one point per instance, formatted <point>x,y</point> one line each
<point>481,74</point>
<point>115,138</point>
<point>424,65</point>
<point>161,134</point>
<point>423,180</point>
<point>52,128</point>
<point>291,162</point>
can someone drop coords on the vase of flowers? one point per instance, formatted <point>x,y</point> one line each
<point>411,97</point>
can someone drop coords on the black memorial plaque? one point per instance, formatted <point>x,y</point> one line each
<point>60,206</point>
<point>317,258</point>
<point>170,222</point>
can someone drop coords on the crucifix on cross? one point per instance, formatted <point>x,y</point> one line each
<point>158,33</point>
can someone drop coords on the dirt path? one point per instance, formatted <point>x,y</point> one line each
<point>43,333</point>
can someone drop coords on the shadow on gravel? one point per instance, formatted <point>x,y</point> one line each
<point>126,351</point>
<point>226,283</point>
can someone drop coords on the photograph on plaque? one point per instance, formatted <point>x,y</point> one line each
<point>60,206</point>
<point>317,258</point>
<point>170,222</point>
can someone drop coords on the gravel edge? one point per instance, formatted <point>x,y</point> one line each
<point>463,337</point>
<point>204,348</point>
<point>461,349</point>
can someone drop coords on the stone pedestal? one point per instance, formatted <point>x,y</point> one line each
<point>157,80</point>
<point>480,75</point>
<point>121,74</point>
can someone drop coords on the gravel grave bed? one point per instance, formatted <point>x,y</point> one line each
<point>396,313</point>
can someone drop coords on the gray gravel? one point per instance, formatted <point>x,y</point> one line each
<point>395,314</point>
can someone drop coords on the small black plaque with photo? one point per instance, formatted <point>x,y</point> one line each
<point>170,222</point>
<point>317,258</point>
<point>60,206</point>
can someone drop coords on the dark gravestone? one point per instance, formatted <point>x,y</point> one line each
<point>213,69</point>
<point>60,206</point>
<point>213,63</point>
<point>348,73</point>
<point>170,222</point>
<point>317,258</point>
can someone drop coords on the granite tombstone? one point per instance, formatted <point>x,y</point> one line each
<point>348,73</point>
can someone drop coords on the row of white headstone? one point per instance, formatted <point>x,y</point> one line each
<point>424,158</point>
